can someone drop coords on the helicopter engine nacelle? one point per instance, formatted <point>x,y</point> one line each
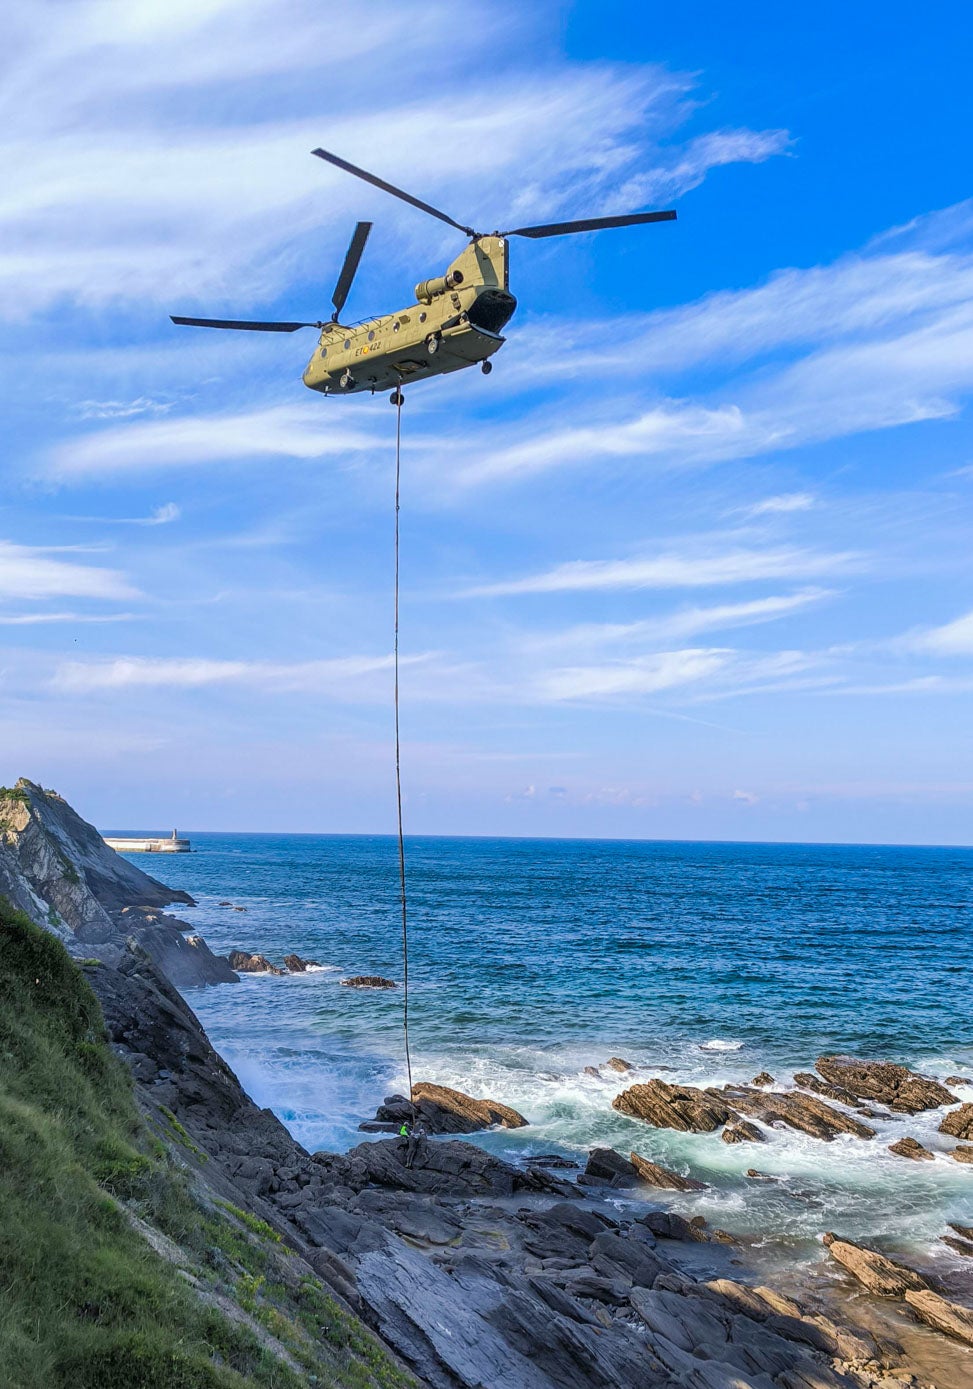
<point>427,290</point>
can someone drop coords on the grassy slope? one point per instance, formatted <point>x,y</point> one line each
<point>85,1300</point>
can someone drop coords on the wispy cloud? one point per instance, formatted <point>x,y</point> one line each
<point>951,639</point>
<point>28,572</point>
<point>284,431</point>
<point>122,409</point>
<point>677,571</point>
<point>41,618</point>
<point>340,676</point>
<point>782,505</point>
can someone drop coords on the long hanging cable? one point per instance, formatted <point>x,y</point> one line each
<point>398,759</point>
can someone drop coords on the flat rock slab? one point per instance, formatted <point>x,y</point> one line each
<point>806,1113</point>
<point>655,1175</point>
<point>368,981</point>
<point>941,1315</point>
<point>667,1106</point>
<point>885,1082</point>
<point>873,1270</point>
<point>439,1169</point>
<point>959,1123</point>
<point>444,1110</point>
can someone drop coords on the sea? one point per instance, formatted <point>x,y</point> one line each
<point>532,959</point>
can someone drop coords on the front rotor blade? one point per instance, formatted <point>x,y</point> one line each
<point>391,188</point>
<point>352,258</point>
<point>248,326</point>
<point>634,219</point>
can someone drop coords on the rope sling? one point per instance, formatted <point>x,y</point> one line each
<point>398,401</point>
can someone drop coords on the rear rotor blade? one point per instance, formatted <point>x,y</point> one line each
<point>391,188</point>
<point>592,224</point>
<point>251,327</point>
<point>352,258</point>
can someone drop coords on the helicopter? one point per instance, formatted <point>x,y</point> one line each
<point>457,318</point>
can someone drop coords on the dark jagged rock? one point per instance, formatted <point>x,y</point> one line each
<point>673,1106</point>
<point>965,1231</point>
<point>911,1148</point>
<point>803,1112</point>
<point>873,1270</point>
<point>962,1154</point>
<point>655,1175</point>
<point>245,963</point>
<point>959,1122</point>
<point>959,1080</point>
<point>449,1168</point>
<point>609,1166</point>
<point>902,1090</point>
<point>742,1132</point>
<point>669,1225</point>
<point>552,1160</point>
<point>958,1246</point>
<point>764,1078</point>
<point>295,965</point>
<point>444,1110</point>
<point>369,981</point>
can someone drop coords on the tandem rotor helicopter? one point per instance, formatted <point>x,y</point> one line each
<point>455,322</point>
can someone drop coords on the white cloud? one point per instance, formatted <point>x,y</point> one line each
<point>745,797</point>
<point>782,505</point>
<point>42,618</point>
<point>122,409</point>
<point>28,572</point>
<point>663,670</point>
<point>341,675</point>
<point>952,639</point>
<point>286,431</point>
<point>676,571</point>
<point>125,191</point>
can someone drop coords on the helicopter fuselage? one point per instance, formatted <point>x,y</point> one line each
<point>454,323</point>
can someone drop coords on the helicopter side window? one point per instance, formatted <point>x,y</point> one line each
<point>347,343</point>
<point>371,336</point>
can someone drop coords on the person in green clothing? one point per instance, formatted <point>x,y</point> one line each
<point>414,1135</point>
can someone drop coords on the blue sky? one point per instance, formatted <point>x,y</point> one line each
<point>693,562</point>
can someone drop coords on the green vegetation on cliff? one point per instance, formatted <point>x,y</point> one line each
<point>115,1273</point>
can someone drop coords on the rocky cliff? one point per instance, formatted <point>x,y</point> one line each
<point>57,869</point>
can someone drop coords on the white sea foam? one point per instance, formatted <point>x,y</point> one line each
<point>720,1044</point>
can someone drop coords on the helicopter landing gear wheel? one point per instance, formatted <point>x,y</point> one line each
<point>347,381</point>
<point>433,344</point>
<point>397,398</point>
<point>486,368</point>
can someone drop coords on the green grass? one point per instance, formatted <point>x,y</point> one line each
<point>85,1301</point>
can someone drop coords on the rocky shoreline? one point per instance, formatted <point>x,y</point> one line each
<point>479,1272</point>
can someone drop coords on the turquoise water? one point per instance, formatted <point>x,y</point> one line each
<point>531,959</point>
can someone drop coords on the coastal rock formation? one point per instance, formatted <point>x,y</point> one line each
<point>805,1113</point>
<point>959,1080</point>
<point>959,1123</point>
<point>962,1154</point>
<point>616,1063</point>
<point>57,869</point>
<point>874,1271</point>
<point>667,1106</point>
<point>605,1165</point>
<point>295,965</point>
<point>964,1231</point>
<point>807,1080</point>
<point>911,1148</point>
<point>655,1175</point>
<point>764,1078</point>
<point>742,1132</point>
<point>443,1110</point>
<point>886,1083</point>
<point>368,981</point>
<point>941,1315</point>
<point>245,963</point>
<point>441,1169</point>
